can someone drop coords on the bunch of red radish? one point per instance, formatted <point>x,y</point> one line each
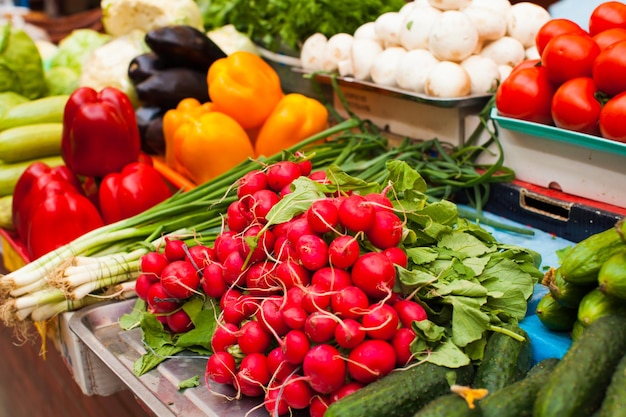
<point>308,314</point>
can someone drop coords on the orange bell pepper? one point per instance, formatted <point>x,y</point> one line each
<point>245,87</point>
<point>295,118</point>
<point>187,109</point>
<point>210,145</point>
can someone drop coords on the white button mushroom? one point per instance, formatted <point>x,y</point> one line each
<point>448,79</point>
<point>524,21</point>
<point>532,53</point>
<point>367,31</point>
<point>387,27</point>
<point>449,4</point>
<point>407,8</point>
<point>453,37</point>
<point>312,52</point>
<point>505,51</point>
<point>413,68</point>
<point>416,27</point>
<point>385,66</point>
<point>490,24</point>
<point>505,71</point>
<point>337,49</point>
<point>483,72</point>
<point>500,6</point>
<point>363,54</point>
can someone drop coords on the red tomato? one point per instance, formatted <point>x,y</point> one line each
<point>609,37</point>
<point>526,94</point>
<point>553,28</point>
<point>610,14</point>
<point>612,116</point>
<point>527,63</point>
<point>569,56</point>
<point>609,69</point>
<point>575,106</point>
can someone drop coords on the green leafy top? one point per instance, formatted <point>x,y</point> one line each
<point>21,66</point>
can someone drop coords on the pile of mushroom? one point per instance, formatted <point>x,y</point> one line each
<point>441,48</point>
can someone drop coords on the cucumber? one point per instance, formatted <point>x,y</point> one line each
<point>10,173</point>
<point>42,110</point>
<point>554,315</point>
<point>452,405</point>
<point>505,360</point>
<point>612,276</point>
<point>582,263</point>
<point>22,143</point>
<point>6,212</point>
<point>567,293</point>
<point>402,392</point>
<point>597,304</point>
<point>578,383</point>
<point>614,402</point>
<point>517,399</point>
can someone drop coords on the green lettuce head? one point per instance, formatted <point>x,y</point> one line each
<point>21,66</point>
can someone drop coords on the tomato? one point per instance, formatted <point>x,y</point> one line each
<point>610,14</point>
<point>569,56</point>
<point>576,107</point>
<point>609,69</point>
<point>553,28</point>
<point>526,94</point>
<point>612,116</point>
<point>609,37</point>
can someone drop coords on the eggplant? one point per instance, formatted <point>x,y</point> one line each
<point>143,66</point>
<point>153,140</point>
<point>166,88</point>
<point>181,45</point>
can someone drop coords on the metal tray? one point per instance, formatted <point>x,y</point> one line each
<point>97,327</point>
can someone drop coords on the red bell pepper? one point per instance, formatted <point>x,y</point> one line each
<point>137,188</point>
<point>100,132</point>
<point>58,217</point>
<point>31,183</point>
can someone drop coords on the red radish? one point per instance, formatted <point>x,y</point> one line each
<point>274,401</point>
<point>322,216</point>
<point>319,176</point>
<point>319,405</point>
<point>312,251</point>
<point>374,273</point>
<point>179,321</point>
<point>260,203</point>
<point>371,360</point>
<point>221,368</point>
<point>174,249</point>
<point>297,392</point>
<point>240,310</point>
<point>331,279</point>
<point>290,274</point>
<point>320,327</point>
<point>180,279</point>
<point>343,251</point>
<point>286,190</point>
<point>264,242</point>
<point>325,368</point>
<point>233,269</point>
<point>356,213</point>
<point>229,297</point>
<point>236,220</point>
<point>283,249</point>
<point>315,298</point>
<point>380,322</point>
<point>200,255</point>
<point>281,174</point>
<point>409,311</point>
<point>349,334</point>
<point>294,316</point>
<point>386,230</point>
<point>380,202</point>
<point>212,281</point>
<point>298,227</point>
<point>159,301</point>
<point>349,302</point>
<point>294,297</point>
<point>152,263</point>
<point>296,345</point>
<point>251,182</point>
<point>225,335</point>
<point>347,389</point>
<point>143,284</point>
<point>397,256</point>
<point>401,343</point>
<point>270,316</point>
<point>260,279</point>
<point>253,375</point>
<point>305,165</point>
<point>278,366</point>
<point>226,243</point>
<point>253,338</point>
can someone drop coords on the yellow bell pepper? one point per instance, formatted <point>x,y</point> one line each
<point>210,145</point>
<point>245,87</point>
<point>187,109</point>
<point>295,118</point>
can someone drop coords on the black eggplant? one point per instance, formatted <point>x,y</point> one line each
<point>181,45</point>
<point>145,115</point>
<point>153,140</point>
<point>143,66</point>
<point>166,88</point>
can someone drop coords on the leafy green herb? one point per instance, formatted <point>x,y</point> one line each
<point>192,382</point>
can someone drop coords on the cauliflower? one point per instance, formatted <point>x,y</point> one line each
<point>120,17</point>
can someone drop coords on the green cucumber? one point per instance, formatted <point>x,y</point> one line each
<point>567,293</point>
<point>583,262</point>
<point>612,276</point>
<point>505,360</point>
<point>517,399</point>
<point>577,385</point>
<point>402,392</point>
<point>614,402</point>
<point>42,110</point>
<point>10,173</point>
<point>22,143</point>
<point>554,315</point>
<point>452,405</point>
<point>597,304</point>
